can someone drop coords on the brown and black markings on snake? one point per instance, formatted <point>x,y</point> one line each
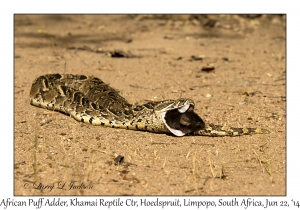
<point>89,100</point>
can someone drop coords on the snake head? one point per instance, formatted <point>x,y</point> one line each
<point>179,117</point>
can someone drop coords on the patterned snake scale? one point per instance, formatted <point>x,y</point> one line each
<point>89,100</point>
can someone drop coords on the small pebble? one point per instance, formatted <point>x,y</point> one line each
<point>208,68</point>
<point>119,159</point>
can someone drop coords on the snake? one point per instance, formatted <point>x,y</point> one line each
<point>89,100</point>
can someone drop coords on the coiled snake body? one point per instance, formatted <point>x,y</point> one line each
<point>89,100</point>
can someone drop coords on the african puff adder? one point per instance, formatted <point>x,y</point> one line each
<point>89,100</point>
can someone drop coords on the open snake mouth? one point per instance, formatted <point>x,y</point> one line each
<point>183,120</point>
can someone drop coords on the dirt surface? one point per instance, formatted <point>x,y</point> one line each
<point>232,66</point>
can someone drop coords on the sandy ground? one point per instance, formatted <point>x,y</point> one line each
<point>164,57</point>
